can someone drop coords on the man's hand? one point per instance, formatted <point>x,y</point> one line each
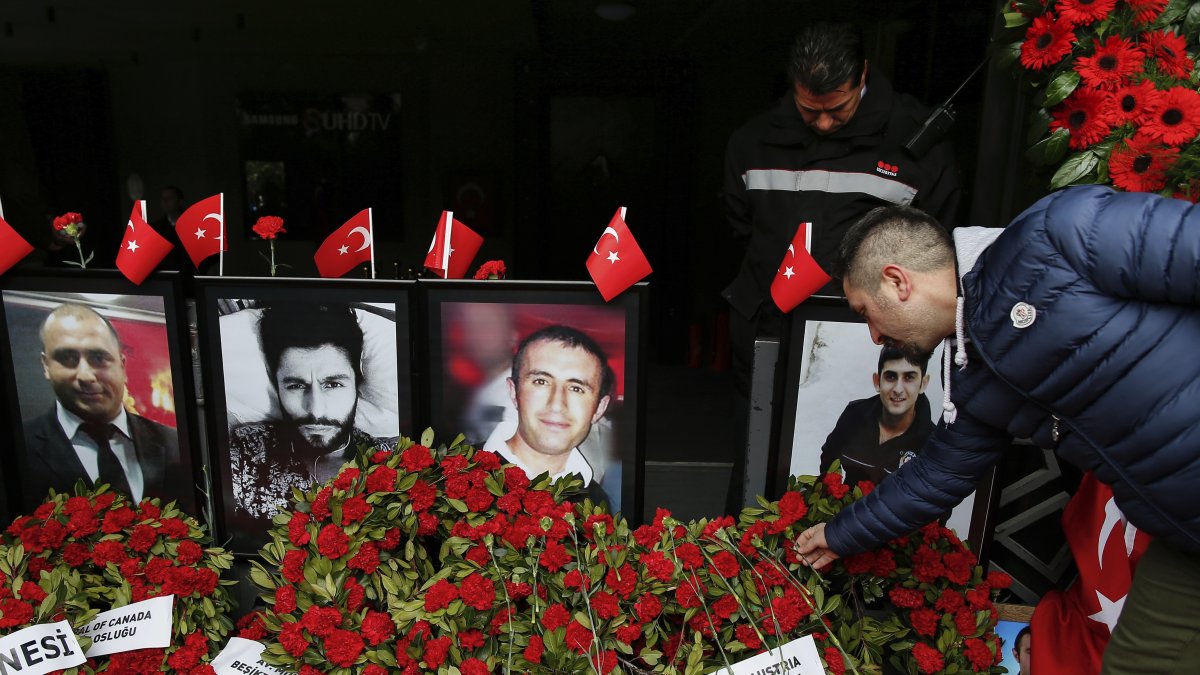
<point>812,549</point>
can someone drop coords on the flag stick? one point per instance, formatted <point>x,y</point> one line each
<point>371,231</point>
<point>142,204</point>
<point>622,210</point>
<point>446,245</point>
<point>221,250</point>
<point>1,211</point>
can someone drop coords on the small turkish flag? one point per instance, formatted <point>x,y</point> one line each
<point>143,248</point>
<point>453,248</point>
<point>799,275</point>
<point>201,228</point>
<point>1080,619</point>
<point>13,246</point>
<point>344,249</point>
<point>619,265</point>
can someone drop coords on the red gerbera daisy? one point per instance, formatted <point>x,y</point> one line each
<point>1112,63</point>
<point>1135,102</point>
<point>1047,41</point>
<point>1086,114</point>
<point>1169,50</point>
<point>1083,12</point>
<point>1140,165</point>
<point>1176,118</point>
<point>1145,11</point>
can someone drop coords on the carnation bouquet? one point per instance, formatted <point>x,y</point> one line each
<point>1117,99</point>
<point>70,226</point>
<point>77,556</point>
<point>445,560</point>
<point>269,228</point>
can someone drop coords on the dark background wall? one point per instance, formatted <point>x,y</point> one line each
<point>555,114</point>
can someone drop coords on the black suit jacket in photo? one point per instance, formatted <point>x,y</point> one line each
<point>51,461</point>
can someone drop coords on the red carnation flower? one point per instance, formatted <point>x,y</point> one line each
<point>1176,119</point>
<point>999,580</point>
<point>555,616</point>
<point>440,595</point>
<point>293,565</point>
<point>1135,103</point>
<point>628,633</point>
<point>929,660</point>
<point>346,478</point>
<point>1169,51</point>
<point>533,653</point>
<point>478,591</point>
<point>382,479</point>
<point>605,605</point>
<point>285,599</point>
<point>435,652</point>
<point>355,509</point>
<point>554,557</point>
<point>689,556</point>
<point>1047,41</point>
<point>321,621</point>
<point>950,601</point>
<point>978,653</point>
<point>320,503</point>
<point>473,666</point>
<point>1087,115</point>
<point>1146,11</point>
<point>726,564</point>
<point>174,528</point>
<point>909,598</point>
<point>422,495</point>
<point>1083,12</point>
<point>606,662</point>
<point>14,613</point>
<point>416,457</point>
<point>188,552</point>
<point>427,524</point>
<point>292,638</point>
<point>354,594</point>
<point>647,608</point>
<point>298,529</point>
<point>342,647</point>
<point>332,542</point>
<point>746,635</point>
<point>833,482</point>
<point>964,621</point>
<point>1111,65</point>
<point>579,637</point>
<point>833,661</point>
<point>1140,165</point>
<point>268,227</point>
<point>118,519</point>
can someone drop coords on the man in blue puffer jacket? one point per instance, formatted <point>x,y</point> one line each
<point>1077,326</point>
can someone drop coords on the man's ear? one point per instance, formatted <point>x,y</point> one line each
<point>512,391</point>
<point>924,383</point>
<point>601,408</point>
<point>897,278</point>
<point>863,82</point>
<point>45,366</point>
<point>875,381</point>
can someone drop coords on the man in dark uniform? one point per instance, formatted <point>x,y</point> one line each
<point>830,151</point>
<point>875,436</point>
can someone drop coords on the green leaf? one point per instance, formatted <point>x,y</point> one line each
<point>1039,124</point>
<point>1015,19</point>
<point>1191,22</point>
<point>1060,88</point>
<point>427,438</point>
<point>1007,55</point>
<point>1074,170</point>
<point>1174,12</point>
<point>1049,150</point>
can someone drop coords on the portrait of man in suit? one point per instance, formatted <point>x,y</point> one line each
<point>89,434</point>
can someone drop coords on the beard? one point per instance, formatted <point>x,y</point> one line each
<point>319,444</point>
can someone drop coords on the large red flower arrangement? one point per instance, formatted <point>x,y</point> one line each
<point>424,560</point>
<point>1116,87</point>
<point>77,556</point>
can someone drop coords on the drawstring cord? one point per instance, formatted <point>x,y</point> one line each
<point>949,411</point>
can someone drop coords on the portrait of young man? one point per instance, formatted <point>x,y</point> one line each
<point>561,385</point>
<point>875,436</point>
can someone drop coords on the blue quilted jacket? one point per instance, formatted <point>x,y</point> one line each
<point>1112,354</point>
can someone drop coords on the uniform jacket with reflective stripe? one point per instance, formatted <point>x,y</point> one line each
<point>1113,352</point>
<point>779,173</point>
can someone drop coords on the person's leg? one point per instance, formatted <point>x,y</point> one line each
<point>1159,628</point>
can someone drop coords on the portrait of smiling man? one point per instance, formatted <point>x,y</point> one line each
<point>313,355</point>
<point>875,436</point>
<point>561,386</point>
<point>89,434</point>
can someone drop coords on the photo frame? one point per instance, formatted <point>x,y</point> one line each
<point>1012,629</point>
<point>299,374</point>
<point>473,329</point>
<point>115,360</point>
<point>830,393</point>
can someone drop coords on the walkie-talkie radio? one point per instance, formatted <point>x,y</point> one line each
<point>939,122</point>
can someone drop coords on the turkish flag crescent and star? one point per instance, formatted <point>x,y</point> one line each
<point>1070,629</point>
<point>799,275</point>
<point>453,248</point>
<point>201,228</point>
<point>347,247</point>
<point>13,246</point>
<point>143,248</point>
<point>617,264</point>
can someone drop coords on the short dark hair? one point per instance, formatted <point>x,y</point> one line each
<point>892,354</point>
<point>288,325</point>
<point>1017,642</point>
<point>825,56</point>
<point>568,337</point>
<point>891,234</point>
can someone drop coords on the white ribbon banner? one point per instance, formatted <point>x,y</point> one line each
<point>242,657</point>
<point>141,625</point>
<point>40,649</point>
<point>798,657</point>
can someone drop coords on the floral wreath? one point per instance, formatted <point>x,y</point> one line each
<point>526,580</point>
<point>79,555</point>
<point>1116,88</point>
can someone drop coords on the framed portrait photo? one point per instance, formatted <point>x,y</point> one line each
<point>98,386</point>
<point>573,405</point>
<point>848,399</point>
<point>301,373</point>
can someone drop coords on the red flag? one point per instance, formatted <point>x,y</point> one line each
<point>201,228</point>
<point>453,248</point>
<point>799,275</point>
<point>143,248</point>
<point>344,249</point>
<point>619,265</point>
<point>1070,629</point>
<point>13,246</point>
